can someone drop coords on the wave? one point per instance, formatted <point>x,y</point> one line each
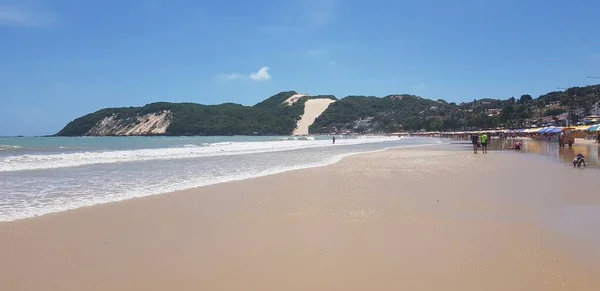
<point>295,138</point>
<point>34,209</point>
<point>64,160</point>
<point>7,147</point>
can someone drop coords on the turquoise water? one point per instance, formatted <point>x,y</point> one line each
<point>40,175</point>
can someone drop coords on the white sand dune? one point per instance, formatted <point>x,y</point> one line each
<point>293,99</point>
<point>312,109</point>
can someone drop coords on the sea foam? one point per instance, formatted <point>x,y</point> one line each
<point>88,196</point>
<point>75,159</point>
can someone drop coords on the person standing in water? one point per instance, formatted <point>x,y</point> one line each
<point>333,139</point>
<point>484,141</point>
<point>475,142</point>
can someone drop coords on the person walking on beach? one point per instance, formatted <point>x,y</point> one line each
<point>484,141</point>
<point>475,142</point>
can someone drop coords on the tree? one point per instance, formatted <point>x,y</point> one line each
<point>525,98</point>
<point>573,99</point>
<point>507,114</point>
<point>554,112</point>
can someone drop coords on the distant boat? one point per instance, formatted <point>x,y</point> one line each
<point>20,136</point>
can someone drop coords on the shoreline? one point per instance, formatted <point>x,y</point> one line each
<point>327,162</point>
<point>370,221</point>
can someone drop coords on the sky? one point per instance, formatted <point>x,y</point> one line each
<point>61,59</point>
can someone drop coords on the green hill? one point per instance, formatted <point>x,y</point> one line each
<point>359,114</point>
<point>266,118</point>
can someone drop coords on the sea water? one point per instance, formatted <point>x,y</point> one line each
<point>40,175</point>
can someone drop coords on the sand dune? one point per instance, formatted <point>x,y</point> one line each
<point>312,109</point>
<point>293,99</point>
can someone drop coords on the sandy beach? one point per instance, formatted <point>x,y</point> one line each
<point>408,219</point>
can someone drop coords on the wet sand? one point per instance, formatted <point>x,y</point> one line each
<point>435,219</point>
<point>551,149</point>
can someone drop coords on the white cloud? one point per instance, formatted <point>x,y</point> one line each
<point>261,75</point>
<point>11,15</point>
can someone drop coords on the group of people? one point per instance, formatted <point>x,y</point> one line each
<point>480,141</point>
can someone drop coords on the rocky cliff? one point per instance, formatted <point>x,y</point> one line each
<point>147,124</point>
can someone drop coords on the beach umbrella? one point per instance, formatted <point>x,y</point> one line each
<point>555,130</point>
<point>551,129</point>
<point>594,128</point>
<point>582,127</point>
<point>536,130</point>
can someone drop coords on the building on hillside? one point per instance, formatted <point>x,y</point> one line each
<point>493,111</point>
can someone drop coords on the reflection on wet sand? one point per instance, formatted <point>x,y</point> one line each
<point>551,149</point>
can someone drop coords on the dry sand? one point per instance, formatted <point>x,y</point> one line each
<point>312,109</point>
<point>394,220</point>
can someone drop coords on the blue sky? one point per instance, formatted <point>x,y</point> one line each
<point>60,59</point>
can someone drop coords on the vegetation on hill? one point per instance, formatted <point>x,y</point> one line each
<point>411,113</point>
<point>269,117</point>
<point>360,114</point>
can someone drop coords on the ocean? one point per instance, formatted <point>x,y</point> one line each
<point>41,175</point>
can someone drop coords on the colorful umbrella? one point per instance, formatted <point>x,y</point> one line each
<point>594,128</point>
